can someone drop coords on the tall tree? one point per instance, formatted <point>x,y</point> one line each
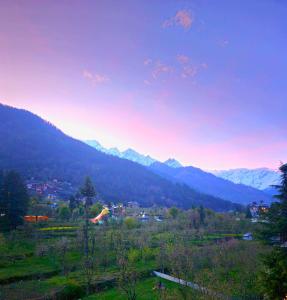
<point>73,203</point>
<point>274,275</point>
<point>88,192</point>
<point>13,200</point>
<point>201,215</point>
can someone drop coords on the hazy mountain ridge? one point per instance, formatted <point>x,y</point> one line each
<point>211,184</point>
<point>36,148</point>
<point>196,178</point>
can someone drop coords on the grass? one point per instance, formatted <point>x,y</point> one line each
<point>145,290</point>
<point>58,228</point>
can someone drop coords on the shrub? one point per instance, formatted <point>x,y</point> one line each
<point>72,290</point>
<point>130,222</point>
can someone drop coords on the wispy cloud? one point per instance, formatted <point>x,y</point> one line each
<point>182,18</point>
<point>183,59</point>
<point>160,68</point>
<point>187,68</point>
<point>95,78</point>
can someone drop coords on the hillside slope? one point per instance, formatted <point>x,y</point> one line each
<point>210,184</point>
<point>37,148</point>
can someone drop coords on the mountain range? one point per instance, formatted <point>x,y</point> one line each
<point>195,178</point>
<point>131,154</point>
<point>38,149</point>
<point>261,178</point>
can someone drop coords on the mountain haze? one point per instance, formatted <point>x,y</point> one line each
<point>37,148</point>
<point>210,184</point>
<point>197,179</point>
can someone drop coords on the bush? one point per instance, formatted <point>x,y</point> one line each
<point>134,255</point>
<point>72,290</point>
<point>130,223</point>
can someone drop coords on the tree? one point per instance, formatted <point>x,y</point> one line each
<point>64,212</point>
<point>14,200</point>
<point>130,222</point>
<point>73,203</point>
<point>274,275</point>
<point>96,209</point>
<point>201,215</point>
<point>248,214</point>
<point>173,212</point>
<point>88,192</point>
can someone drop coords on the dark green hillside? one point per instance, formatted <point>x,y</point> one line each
<point>37,148</point>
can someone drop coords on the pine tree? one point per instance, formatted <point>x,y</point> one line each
<point>13,200</point>
<point>201,215</point>
<point>274,275</point>
<point>88,191</point>
<point>73,203</point>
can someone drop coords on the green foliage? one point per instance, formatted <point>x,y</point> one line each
<point>73,203</point>
<point>95,209</point>
<point>134,255</point>
<point>64,212</point>
<point>14,200</point>
<point>130,222</point>
<point>173,212</point>
<point>72,290</point>
<point>88,191</point>
<point>201,214</point>
<point>248,214</point>
<point>273,278</point>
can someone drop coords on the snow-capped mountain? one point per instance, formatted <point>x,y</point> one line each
<point>261,178</point>
<point>132,155</point>
<point>129,154</point>
<point>173,163</point>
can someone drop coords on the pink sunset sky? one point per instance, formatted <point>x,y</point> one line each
<point>201,81</point>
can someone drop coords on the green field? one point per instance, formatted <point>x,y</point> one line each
<point>47,260</point>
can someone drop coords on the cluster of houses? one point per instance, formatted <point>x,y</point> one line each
<point>257,210</point>
<point>53,190</point>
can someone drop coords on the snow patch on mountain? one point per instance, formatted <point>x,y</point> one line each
<point>132,155</point>
<point>129,154</point>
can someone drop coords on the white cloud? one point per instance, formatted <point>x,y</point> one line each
<point>95,78</point>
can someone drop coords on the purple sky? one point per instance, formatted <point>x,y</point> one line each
<point>203,81</point>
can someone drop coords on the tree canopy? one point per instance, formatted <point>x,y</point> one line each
<point>14,200</point>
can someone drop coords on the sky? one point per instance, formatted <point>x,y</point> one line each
<point>202,81</point>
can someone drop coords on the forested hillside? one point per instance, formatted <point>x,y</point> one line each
<point>37,148</point>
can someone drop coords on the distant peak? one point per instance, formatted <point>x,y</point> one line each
<point>130,151</point>
<point>94,144</point>
<point>173,163</point>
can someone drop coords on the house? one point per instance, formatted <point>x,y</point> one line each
<point>247,236</point>
<point>143,217</point>
<point>158,218</point>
